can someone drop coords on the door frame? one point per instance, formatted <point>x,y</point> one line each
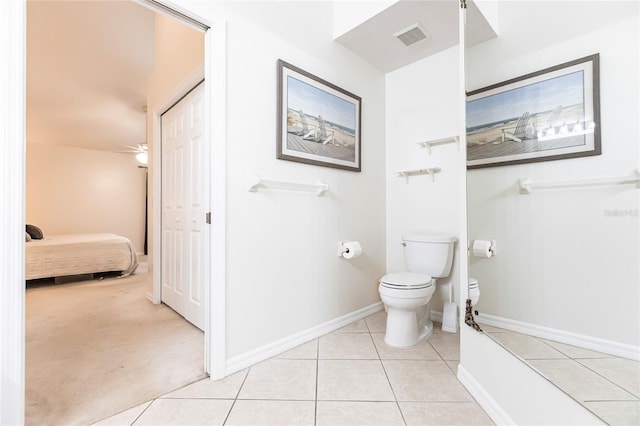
<point>214,75</point>
<point>12,205</point>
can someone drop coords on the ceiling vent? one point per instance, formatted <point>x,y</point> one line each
<point>412,34</point>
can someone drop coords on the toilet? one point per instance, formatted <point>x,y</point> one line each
<point>406,295</point>
<point>474,291</point>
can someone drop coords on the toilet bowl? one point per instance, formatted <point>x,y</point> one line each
<point>474,291</point>
<point>403,294</point>
<point>406,295</point>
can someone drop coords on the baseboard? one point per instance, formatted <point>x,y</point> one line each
<point>257,355</point>
<point>581,340</point>
<point>436,316</point>
<point>484,399</point>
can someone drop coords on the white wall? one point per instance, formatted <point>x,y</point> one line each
<point>283,274</point>
<point>422,103</point>
<point>563,260</point>
<point>74,190</point>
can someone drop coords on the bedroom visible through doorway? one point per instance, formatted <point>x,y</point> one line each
<point>65,52</point>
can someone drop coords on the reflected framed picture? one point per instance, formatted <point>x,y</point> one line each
<point>552,114</point>
<point>318,122</point>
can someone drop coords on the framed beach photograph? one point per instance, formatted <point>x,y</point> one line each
<point>552,114</point>
<point>318,122</point>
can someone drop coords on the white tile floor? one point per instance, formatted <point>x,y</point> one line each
<point>349,377</point>
<point>607,385</point>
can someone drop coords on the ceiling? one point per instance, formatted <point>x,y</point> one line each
<point>375,41</point>
<point>88,61</point>
<point>87,68</point>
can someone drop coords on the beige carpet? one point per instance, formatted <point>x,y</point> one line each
<point>95,348</point>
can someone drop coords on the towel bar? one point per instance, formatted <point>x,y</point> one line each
<point>255,182</point>
<point>526,186</point>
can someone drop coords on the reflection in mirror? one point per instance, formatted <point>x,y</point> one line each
<point>561,289</point>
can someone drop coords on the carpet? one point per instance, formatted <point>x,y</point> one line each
<point>95,348</point>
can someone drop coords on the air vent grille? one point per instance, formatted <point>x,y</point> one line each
<point>412,34</point>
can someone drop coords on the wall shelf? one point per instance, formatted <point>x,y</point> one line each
<point>527,187</point>
<point>427,171</point>
<point>254,181</point>
<point>429,144</point>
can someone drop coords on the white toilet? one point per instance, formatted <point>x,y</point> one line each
<point>474,291</point>
<point>406,294</point>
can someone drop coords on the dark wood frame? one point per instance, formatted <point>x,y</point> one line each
<point>590,104</point>
<point>284,152</point>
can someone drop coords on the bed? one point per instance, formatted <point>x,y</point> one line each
<point>79,254</point>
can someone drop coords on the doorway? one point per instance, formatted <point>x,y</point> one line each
<point>12,39</point>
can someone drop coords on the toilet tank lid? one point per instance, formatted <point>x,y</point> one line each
<point>429,237</point>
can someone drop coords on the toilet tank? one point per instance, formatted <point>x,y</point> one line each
<point>429,253</point>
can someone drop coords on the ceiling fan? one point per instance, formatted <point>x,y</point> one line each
<point>141,151</point>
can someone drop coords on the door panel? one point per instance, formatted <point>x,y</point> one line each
<point>184,202</point>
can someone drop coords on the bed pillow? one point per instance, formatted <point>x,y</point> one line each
<point>35,232</point>
<point>27,237</point>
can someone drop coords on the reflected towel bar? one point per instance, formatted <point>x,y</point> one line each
<point>526,186</point>
<point>429,144</point>
<point>254,182</point>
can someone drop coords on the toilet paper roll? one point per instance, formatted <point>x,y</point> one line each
<point>351,249</point>
<point>482,248</point>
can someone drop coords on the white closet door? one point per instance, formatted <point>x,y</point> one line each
<point>184,204</point>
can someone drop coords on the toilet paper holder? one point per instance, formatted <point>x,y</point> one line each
<point>344,250</point>
<point>491,248</point>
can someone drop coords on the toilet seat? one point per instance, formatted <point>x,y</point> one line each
<point>406,281</point>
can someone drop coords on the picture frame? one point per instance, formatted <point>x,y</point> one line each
<point>318,122</point>
<point>552,114</point>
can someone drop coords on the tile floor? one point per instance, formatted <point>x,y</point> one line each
<point>607,385</point>
<point>349,377</point>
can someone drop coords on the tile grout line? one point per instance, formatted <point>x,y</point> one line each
<point>315,409</point>
<point>577,360</point>
<point>395,397</point>
<point>233,404</point>
<point>143,411</point>
<point>606,378</point>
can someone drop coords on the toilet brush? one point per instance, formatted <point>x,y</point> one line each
<point>450,314</point>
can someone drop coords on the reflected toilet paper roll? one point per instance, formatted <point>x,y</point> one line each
<point>482,248</point>
<point>351,249</point>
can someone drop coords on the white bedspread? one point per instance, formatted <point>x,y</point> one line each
<point>76,254</point>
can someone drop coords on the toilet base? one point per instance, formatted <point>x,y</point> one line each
<point>402,329</point>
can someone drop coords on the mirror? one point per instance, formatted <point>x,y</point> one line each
<point>562,290</point>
